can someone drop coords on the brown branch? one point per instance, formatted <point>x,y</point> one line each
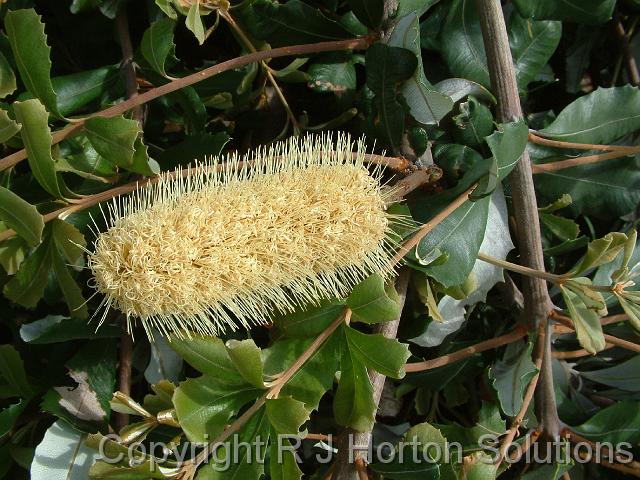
<point>351,44</point>
<point>547,142</point>
<point>632,67</point>
<point>415,180</point>
<point>528,396</point>
<point>343,467</point>
<point>537,303</point>
<point>124,376</point>
<point>567,322</point>
<point>531,438</point>
<point>631,468</point>
<point>514,336</point>
<point>579,161</point>
<point>578,353</point>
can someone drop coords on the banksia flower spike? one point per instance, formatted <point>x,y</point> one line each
<point>231,240</point>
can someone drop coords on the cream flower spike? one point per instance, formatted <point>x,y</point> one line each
<point>234,239</point>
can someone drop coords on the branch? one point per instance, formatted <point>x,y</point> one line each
<point>610,339</point>
<point>537,303</point>
<point>514,336</point>
<point>537,138</point>
<point>632,67</point>
<point>351,44</point>
<point>578,161</point>
<point>343,467</point>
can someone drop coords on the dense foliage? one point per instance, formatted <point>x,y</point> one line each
<point>412,77</point>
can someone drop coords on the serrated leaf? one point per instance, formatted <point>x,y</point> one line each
<point>63,455</point>
<point>8,127</point>
<point>371,301</point>
<point>36,136</point>
<point>426,104</point>
<point>283,464</point>
<point>207,355</point>
<point>12,253</point>
<point>286,415</point>
<point>245,355</point>
<point>473,123</point>
<point>21,216</point>
<point>532,44</point>
<point>601,116</point>
<point>585,321</point>
<point>12,371</point>
<point>113,138</point>
<point>204,406</point>
<point>309,321</point>
<point>590,12</point>
<point>353,404</point>
<point>367,348</point>
<point>32,54</point>
<point>157,44</point>
<point>562,202</point>
<point>511,376</point>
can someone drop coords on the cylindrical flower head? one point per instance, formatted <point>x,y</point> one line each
<point>230,242</point>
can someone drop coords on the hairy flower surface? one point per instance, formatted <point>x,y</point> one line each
<point>230,241</point>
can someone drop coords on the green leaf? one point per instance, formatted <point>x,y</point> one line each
<point>332,72</point>
<point>12,253</point>
<point>511,376</point>
<point>70,289</point>
<point>141,162</point>
<point>473,123</point>
<point>462,45</point>
<point>563,228</point>
<point>286,415</point>
<point>76,90</point>
<point>371,301</point>
<point>12,371</point>
<point>603,190</point>
<point>27,285</point>
<point>31,52</point>
<point>388,67</point>
<point>63,454</point>
<point>8,127</point>
<point>562,202</point>
<point>632,309</point>
<point>58,328</point>
<point>207,355</point>
<point>309,383</point>
<point>616,424</point>
<point>458,88</point>
<point>623,376</point>
<point>366,348</point>
<point>243,456</point>
<point>292,23</point>
<point>157,44</point>
<point>9,415</point>
<point>113,138</point>
<point>548,472</point>
<point>589,12</point>
<point>7,77</point>
<point>36,136</point>
<point>69,240</point>
<point>368,12</point>
<point>459,236</point>
<point>601,251</point>
<point>283,463</point>
<point>245,355</point>
<point>194,22</point>
<point>601,116</point>
<point>309,321</point>
<point>21,216</point>
<point>532,44</point>
<point>353,404</point>
<point>507,145</point>
<point>586,322</point>
<point>204,406</point>
<point>426,104</point>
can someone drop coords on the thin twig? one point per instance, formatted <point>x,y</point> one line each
<point>629,467</point>
<point>579,161</point>
<point>547,142</point>
<point>528,396</point>
<point>610,339</point>
<point>578,353</point>
<point>530,439</point>
<point>179,83</point>
<point>632,66</point>
<point>514,267</point>
<point>514,336</point>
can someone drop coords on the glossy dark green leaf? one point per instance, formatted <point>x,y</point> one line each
<point>36,136</point>
<point>459,236</point>
<point>589,12</point>
<point>32,54</point>
<point>9,415</point>
<point>473,122</point>
<point>563,228</point>
<point>77,90</point>
<point>601,116</point>
<point>12,371</point>
<point>618,423</point>
<point>459,88</point>
<point>21,216</point>
<point>388,67</point>
<point>26,287</point>
<point>373,301</point>
<point>511,376</point>
<point>332,72</point>
<point>157,44</point>
<point>286,415</point>
<point>69,240</point>
<point>245,355</point>
<point>367,348</point>
<point>310,321</point>
<point>507,145</point>
<point>600,251</point>
<point>70,289</point>
<point>12,253</point>
<point>204,406</point>
<point>282,462</point>
<point>293,23</point>
<point>426,104</point>
<point>532,44</point>
<point>353,404</point>
<point>368,12</point>
<point>624,376</point>
<point>58,328</point>
<point>113,138</point>
<point>207,355</point>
